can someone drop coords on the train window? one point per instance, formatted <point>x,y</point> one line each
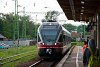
<point>64,37</point>
<point>50,26</point>
<point>49,35</point>
<point>61,38</point>
<point>49,32</point>
<point>39,38</point>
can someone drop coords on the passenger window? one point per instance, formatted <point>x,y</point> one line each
<point>39,38</point>
<point>61,38</point>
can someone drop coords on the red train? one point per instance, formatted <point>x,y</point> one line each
<point>52,39</point>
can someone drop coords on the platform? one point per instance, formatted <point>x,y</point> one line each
<point>74,59</point>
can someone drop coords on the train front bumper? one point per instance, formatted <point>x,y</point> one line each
<point>50,52</point>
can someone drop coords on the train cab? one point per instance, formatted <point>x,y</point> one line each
<point>51,38</point>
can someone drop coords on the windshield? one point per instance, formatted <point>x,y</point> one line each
<point>49,36</point>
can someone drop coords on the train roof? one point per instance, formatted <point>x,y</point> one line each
<point>50,23</point>
<point>66,32</point>
<point>47,25</point>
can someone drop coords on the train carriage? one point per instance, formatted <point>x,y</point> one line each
<point>52,38</point>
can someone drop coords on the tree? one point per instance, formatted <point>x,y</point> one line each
<point>1,26</point>
<point>70,27</point>
<point>51,15</point>
<point>30,27</point>
<point>7,21</point>
<point>7,25</point>
<point>81,29</point>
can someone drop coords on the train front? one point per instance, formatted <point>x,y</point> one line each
<point>48,44</point>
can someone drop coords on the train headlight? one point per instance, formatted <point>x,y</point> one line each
<point>55,43</point>
<point>42,43</point>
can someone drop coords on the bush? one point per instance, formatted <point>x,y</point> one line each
<point>74,43</point>
<point>73,39</point>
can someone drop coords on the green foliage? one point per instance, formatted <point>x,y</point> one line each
<point>21,61</point>
<point>73,40</point>
<point>80,30</point>
<point>8,26</point>
<point>18,50</point>
<point>51,15</point>
<point>70,27</point>
<point>77,43</point>
<point>1,26</point>
<point>7,21</point>
<point>73,43</point>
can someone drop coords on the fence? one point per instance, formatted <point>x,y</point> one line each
<point>19,43</point>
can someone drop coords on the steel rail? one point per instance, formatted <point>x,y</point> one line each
<point>13,58</point>
<point>34,64</point>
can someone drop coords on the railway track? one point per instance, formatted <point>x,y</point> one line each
<point>48,63</point>
<point>14,57</point>
<point>42,63</point>
<point>36,63</point>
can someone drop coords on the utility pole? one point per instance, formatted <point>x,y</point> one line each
<point>14,36</point>
<point>24,24</point>
<point>24,21</point>
<point>36,26</point>
<point>17,22</point>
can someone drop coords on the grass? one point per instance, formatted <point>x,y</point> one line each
<point>12,51</point>
<point>77,43</point>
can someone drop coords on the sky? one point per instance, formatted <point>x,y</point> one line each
<point>8,6</point>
